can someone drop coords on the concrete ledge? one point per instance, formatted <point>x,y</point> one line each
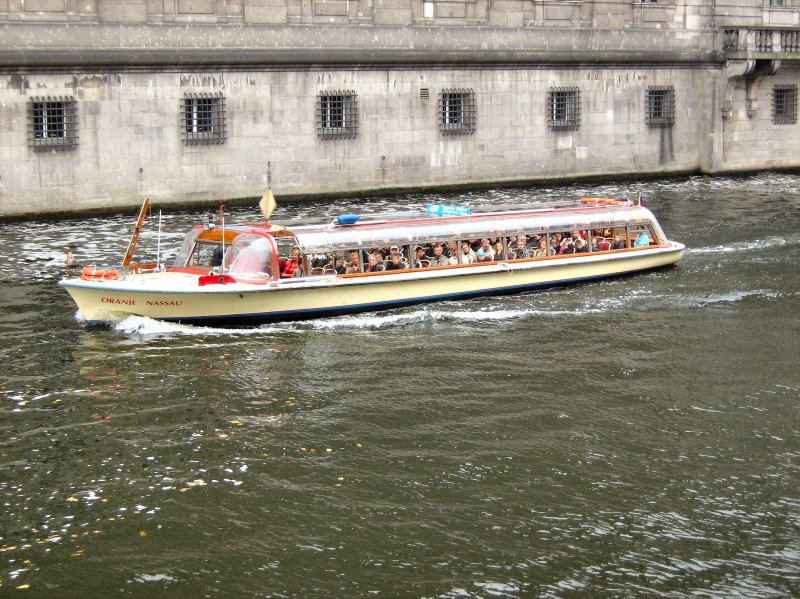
<point>63,45</point>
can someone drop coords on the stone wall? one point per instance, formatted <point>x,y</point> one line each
<point>130,140</point>
<point>125,71</point>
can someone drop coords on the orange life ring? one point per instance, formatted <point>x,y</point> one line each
<point>600,202</point>
<point>90,273</point>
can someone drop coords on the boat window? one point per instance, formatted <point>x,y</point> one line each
<point>206,254</point>
<point>250,254</point>
<point>427,231</point>
<point>640,236</point>
<point>184,254</point>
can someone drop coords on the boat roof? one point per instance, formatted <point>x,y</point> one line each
<point>404,228</point>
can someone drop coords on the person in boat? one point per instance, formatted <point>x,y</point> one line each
<point>486,252</point>
<point>216,257</point>
<point>579,246</point>
<point>439,259</point>
<point>467,256</point>
<point>541,251</point>
<point>618,243</point>
<point>498,251</point>
<point>355,263</point>
<point>374,263</point>
<point>564,245</point>
<point>420,256</point>
<point>451,251</point>
<point>253,258</point>
<point>395,262</point>
<point>294,265</point>
<point>339,266</point>
<point>520,249</point>
<point>642,240</point>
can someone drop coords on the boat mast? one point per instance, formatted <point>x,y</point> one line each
<point>222,218</point>
<point>126,262</point>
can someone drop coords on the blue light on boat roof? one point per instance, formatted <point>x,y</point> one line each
<point>347,219</point>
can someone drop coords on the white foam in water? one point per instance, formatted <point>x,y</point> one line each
<point>154,578</point>
<point>540,305</point>
<point>743,246</point>
<point>142,325</point>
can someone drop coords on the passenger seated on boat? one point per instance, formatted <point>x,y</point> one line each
<point>374,263</point>
<point>486,252</point>
<point>338,265</point>
<point>395,262</point>
<point>355,263</point>
<point>642,240</point>
<point>498,251</point>
<point>451,251</point>
<point>540,251</point>
<point>579,246</point>
<point>439,259</point>
<point>520,249</point>
<point>467,256</point>
<point>216,257</point>
<point>396,250</point>
<point>294,265</point>
<point>420,257</point>
<point>251,257</point>
<point>618,243</point>
<point>595,244</point>
<point>555,242</point>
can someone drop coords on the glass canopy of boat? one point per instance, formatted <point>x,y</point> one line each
<point>321,239</point>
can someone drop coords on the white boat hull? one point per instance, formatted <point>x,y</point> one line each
<point>178,297</point>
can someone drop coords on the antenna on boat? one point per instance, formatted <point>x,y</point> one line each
<point>222,218</point>
<point>158,244</point>
<point>126,262</point>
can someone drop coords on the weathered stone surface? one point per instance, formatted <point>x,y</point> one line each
<point>129,64</point>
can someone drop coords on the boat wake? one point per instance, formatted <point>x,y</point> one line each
<point>771,242</point>
<point>555,305</point>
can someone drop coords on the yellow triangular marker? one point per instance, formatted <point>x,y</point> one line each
<point>267,204</point>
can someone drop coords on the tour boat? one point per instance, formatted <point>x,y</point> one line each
<point>233,275</point>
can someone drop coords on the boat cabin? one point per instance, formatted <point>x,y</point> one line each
<point>261,252</point>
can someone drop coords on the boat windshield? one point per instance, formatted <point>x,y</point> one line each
<point>195,251</point>
<point>250,254</point>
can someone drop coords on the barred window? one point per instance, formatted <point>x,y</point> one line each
<point>784,104</point>
<point>457,111</point>
<point>564,108</point>
<point>203,119</point>
<point>337,114</point>
<point>660,106</point>
<point>53,123</point>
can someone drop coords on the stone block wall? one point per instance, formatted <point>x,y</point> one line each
<point>126,66</point>
<point>130,141</point>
